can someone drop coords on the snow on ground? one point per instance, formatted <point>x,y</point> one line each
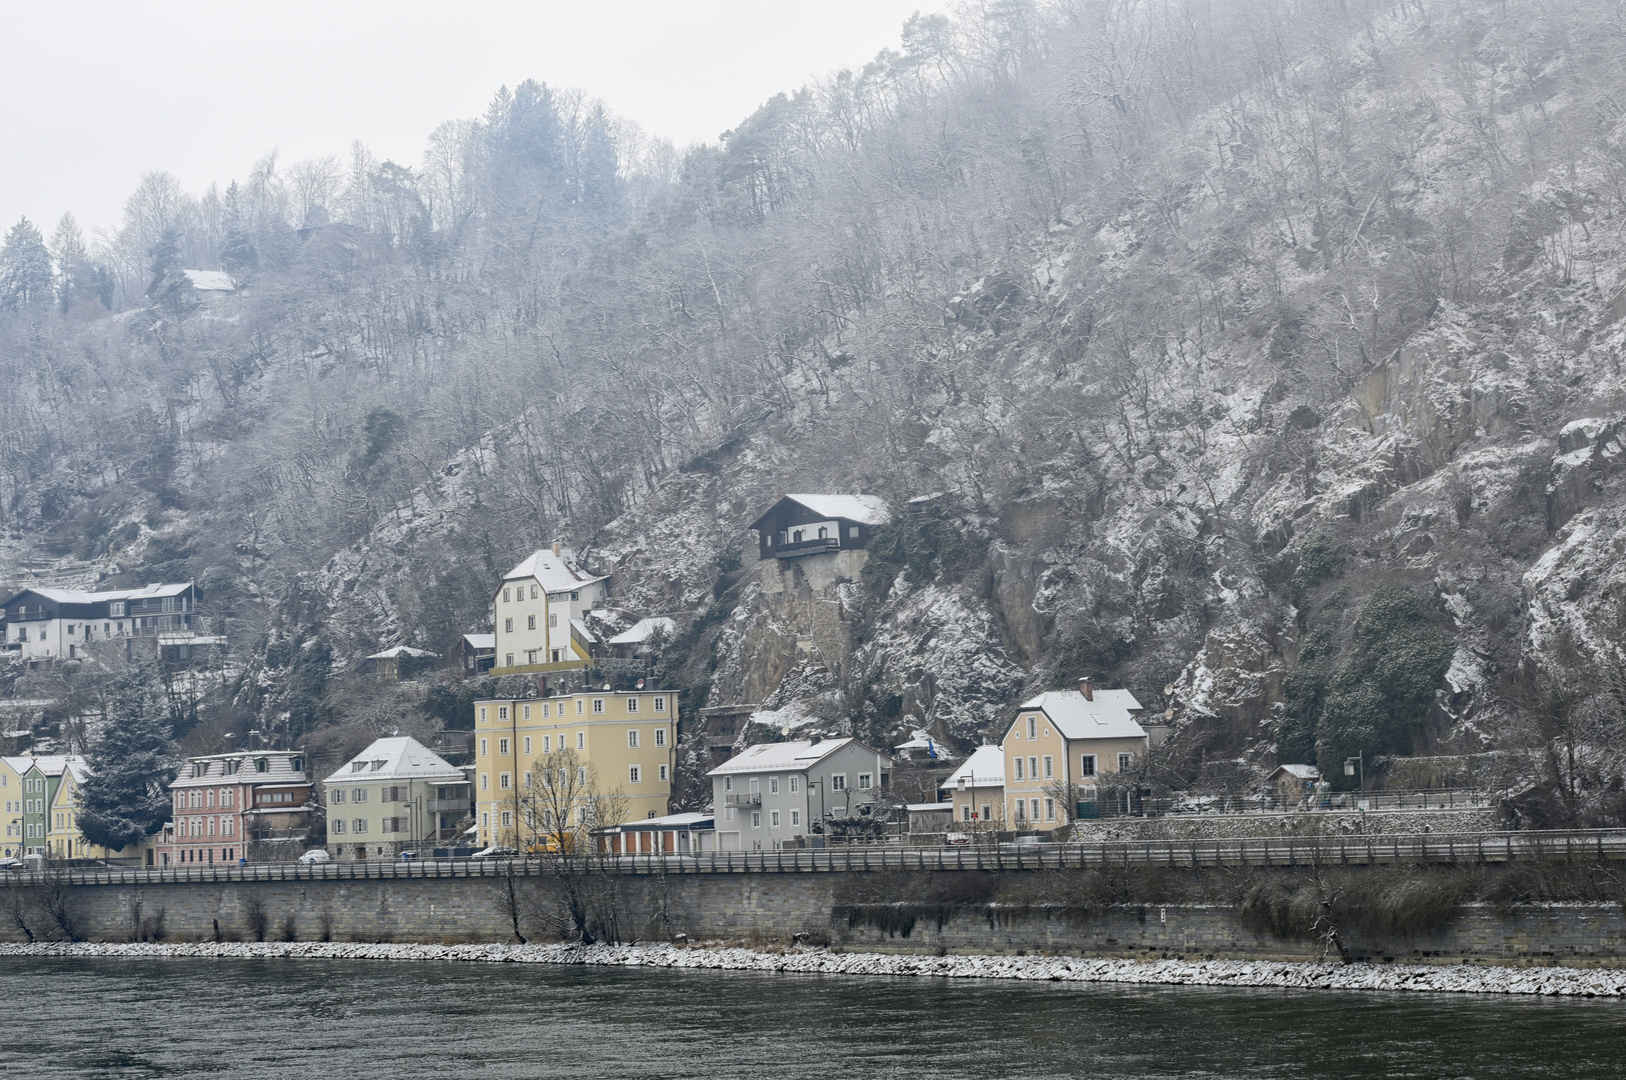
<point>1456,978</point>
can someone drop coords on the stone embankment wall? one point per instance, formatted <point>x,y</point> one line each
<point>1309,823</point>
<point>770,907</point>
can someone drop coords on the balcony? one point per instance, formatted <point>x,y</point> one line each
<point>743,798</point>
<point>448,806</point>
<point>807,547</point>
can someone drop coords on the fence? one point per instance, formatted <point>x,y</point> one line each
<point>1601,845</point>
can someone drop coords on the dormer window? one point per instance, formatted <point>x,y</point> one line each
<point>262,765</point>
<point>115,610</point>
<point>357,766</point>
<point>231,767</point>
<point>297,764</point>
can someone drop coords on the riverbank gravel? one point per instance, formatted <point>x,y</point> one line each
<point>1547,981</point>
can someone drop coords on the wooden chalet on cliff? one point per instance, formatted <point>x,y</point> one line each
<point>799,525</point>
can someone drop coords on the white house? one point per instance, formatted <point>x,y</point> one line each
<point>540,610</point>
<point>774,792</point>
<point>47,623</point>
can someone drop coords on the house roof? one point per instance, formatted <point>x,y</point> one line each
<point>929,807</point>
<point>481,641</point>
<point>795,756</point>
<point>690,821</point>
<point>643,630</point>
<point>1302,772</point>
<point>51,764</point>
<point>279,769</point>
<point>1105,716</point>
<point>399,757</point>
<point>210,280</point>
<point>935,750</point>
<point>400,651</point>
<point>556,573</point>
<point>79,596</point>
<point>868,509</point>
<point>986,764</point>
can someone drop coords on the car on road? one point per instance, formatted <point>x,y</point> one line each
<point>407,855</point>
<point>957,839</point>
<point>496,851</point>
<point>314,857</point>
<point>12,864</point>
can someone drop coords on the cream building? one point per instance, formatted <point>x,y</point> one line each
<point>1060,748</point>
<point>12,770</point>
<point>540,609</point>
<point>977,789</point>
<point>397,795</point>
<point>624,740</point>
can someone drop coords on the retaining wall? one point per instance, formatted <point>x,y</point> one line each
<point>1344,823</point>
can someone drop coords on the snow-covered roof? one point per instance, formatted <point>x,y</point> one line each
<point>689,821</point>
<point>79,596</point>
<point>399,757</point>
<point>928,746</point>
<point>930,807</point>
<point>1302,772</point>
<point>210,280</point>
<point>985,768</point>
<point>279,769</point>
<point>869,509</point>
<point>481,641</point>
<point>50,764</point>
<point>400,651</point>
<point>1105,715</point>
<point>556,573</point>
<point>643,630</point>
<point>793,756</point>
<point>18,765</point>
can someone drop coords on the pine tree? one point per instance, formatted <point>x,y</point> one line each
<point>77,279</point>
<point>126,797</point>
<point>25,266</point>
<point>171,290</point>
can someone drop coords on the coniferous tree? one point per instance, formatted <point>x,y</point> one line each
<point>25,266</point>
<point>131,762</point>
<point>171,290</point>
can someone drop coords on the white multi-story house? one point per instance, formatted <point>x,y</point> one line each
<point>774,792</point>
<point>44,624</point>
<point>396,795</point>
<point>540,608</point>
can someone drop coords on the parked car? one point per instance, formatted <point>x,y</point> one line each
<point>406,855</point>
<point>11,864</point>
<point>496,851</point>
<point>315,856</point>
<point>552,845</point>
<point>957,839</point>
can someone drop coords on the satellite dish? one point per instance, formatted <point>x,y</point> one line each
<point>640,684</point>
<point>606,686</point>
<point>784,729</point>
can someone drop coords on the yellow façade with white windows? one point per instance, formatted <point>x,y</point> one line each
<point>1063,746</point>
<point>627,739</point>
<point>62,838</point>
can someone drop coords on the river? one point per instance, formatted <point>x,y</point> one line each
<point>355,1020</point>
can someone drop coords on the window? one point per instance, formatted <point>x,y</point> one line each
<point>581,739</point>
<point>482,748</point>
<point>533,592</point>
<point>632,704</point>
<point>773,819</point>
<point>507,819</point>
<point>502,747</point>
<point>664,770</point>
<point>728,783</point>
<point>795,784</point>
<point>505,781</point>
<point>1126,762</point>
<point>578,706</point>
<point>635,774</point>
<point>1086,765</point>
<point>485,821</point>
<point>528,746</point>
<point>358,825</point>
<point>553,622</point>
<point>865,781</point>
<point>508,626</point>
<point>660,704</point>
<point>756,819</point>
<point>508,658</point>
<point>581,774</point>
<point>1049,767</point>
<point>547,742</point>
<point>358,795</point>
<point>852,531</point>
<point>527,780</point>
<point>485,781</point>
<point>773,785</point>
<point>1021,811</point>
<point>838,782</point>
<point>965,812</point>
<point>1035,804</point>
<point>632,738</point>
<point>1033,768</point>
<point>505,596</point>
<point>1033,727</point>
<point>1019,775</point>
<point>660,736</point>
<point>598,705</point>
<point>502,714</point>
<point>795,818</point>
<point>545,710</point>
<point>987,812</point>
<point>338,825</point>
<point>530,623</point>
<point>1050,809</point>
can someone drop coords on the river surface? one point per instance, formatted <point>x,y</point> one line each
<point>354,1020</point>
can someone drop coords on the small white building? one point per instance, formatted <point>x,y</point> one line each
<point>540,611</point>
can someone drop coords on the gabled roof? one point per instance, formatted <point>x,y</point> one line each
<point>481,641</point>
<point>79,596</point>
<point>279,769</point>
<point>399,757</point>
<point>1103,716</point>
<point>986,766</point>
<point>795,756</point>
<point>210,280</point>
<point>1302,772</point>
<point>867,509</point>
<point>557,573</point>
<point>50,764</point>
<point>644,629</point>
<point>400,651</point>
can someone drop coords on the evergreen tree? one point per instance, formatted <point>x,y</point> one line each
<point>77,279</point>
<point>126,797</point>
<point>171,290</point>
<point>239,255</point>
<point>25,266</point>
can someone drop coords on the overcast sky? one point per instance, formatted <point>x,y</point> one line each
<point>97,92</point>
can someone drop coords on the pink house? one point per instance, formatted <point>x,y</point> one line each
<point>225,804</point>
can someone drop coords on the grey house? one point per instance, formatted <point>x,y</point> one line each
<point>775,792</point>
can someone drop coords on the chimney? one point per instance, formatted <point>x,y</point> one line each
<point>557,547</point>
<point>1087,688</point>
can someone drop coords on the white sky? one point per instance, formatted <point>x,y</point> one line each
<point>98,92</point>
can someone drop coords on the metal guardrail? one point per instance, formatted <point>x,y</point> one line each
<point>1118,806</point>
<point>1603,845</point>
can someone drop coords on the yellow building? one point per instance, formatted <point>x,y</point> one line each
<point>621,742</point>
<point>62,837</point>
<point>1060,749</point>
<point>539,610</point>
<point>11,800</point>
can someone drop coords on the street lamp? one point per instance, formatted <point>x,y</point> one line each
<point>1352,763</point>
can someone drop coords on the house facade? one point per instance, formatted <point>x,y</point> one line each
<point>540,610</point>
<point>776,792</point>
<point>226,805</point>
<point>41,782</point>
<point>397,795</point>
<point>12,771</point>
<point>1062,746</point>
<point>800,525</point>
<point>45,624</point>
<point>624,740</point>
<point>977,789</point>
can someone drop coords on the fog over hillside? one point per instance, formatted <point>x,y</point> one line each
<point>1264,350</point>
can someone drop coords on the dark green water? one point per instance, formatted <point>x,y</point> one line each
<point>344,1020</point>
